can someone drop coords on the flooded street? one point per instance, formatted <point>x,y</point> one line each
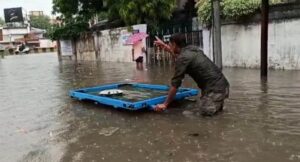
<point>40,122</point>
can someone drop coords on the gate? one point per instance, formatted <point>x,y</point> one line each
<point>155,55</point>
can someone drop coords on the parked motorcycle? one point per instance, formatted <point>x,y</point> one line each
<point>22,49</point>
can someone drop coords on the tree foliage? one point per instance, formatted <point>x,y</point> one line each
<point>42,22</point>
<point>74,15</point>
<point>141,11</point>
<point>204,11</point>
<point>70,30</point>
<point>237,9</point>
<point>230,9</point>
<point>79,12</point>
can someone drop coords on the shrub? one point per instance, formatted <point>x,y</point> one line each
<point>230,9</point>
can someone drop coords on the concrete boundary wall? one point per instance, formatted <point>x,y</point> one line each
<point>241,45</point>
<point>241,41</point>
<point>106,45</point>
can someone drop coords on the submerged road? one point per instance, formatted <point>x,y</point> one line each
<point>39,122</point>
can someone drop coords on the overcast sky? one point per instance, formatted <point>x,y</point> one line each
<point>28,5</point>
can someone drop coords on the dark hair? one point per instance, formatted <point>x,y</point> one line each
<point>178,39</point>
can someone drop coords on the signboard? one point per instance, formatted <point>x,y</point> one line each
<point>166,38</point>
<point>124,36</point>
<point>135,31</point>
<point>66,48</point>
<point>13,15</point>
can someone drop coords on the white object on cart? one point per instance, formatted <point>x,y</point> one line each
<point>111,92</point>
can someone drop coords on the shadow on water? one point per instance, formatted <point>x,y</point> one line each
<point>39,121</point>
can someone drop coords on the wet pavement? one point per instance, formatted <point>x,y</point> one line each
<point>39,122</point>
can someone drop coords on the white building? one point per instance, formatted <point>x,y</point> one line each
<point>14,28</point>
<point>10,34</point>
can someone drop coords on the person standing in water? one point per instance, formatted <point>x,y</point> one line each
<point>209,78</point>
<point>138,54</point>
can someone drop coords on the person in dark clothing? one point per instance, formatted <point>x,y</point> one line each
<point>22,46</point>
<point>209,78</point>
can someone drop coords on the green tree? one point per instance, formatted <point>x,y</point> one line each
<point>75,15</point>
<point>42,22</point>
<point>73,10</point>
<point>70,30</point>
<point>128,11</point>
<point>141,11</point>
<point>1,22</point>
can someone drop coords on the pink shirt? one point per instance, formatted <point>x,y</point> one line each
<point>138,49</point>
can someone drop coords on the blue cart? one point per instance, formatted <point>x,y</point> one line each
<point>136,95</point>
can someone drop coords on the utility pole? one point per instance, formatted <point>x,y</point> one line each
<point>217,44</point>
<point>59,50</point>
<point>264,38</point>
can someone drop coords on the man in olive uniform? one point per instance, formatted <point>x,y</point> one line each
<point>209,78</point>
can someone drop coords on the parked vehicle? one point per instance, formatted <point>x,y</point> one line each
<point>22,49</point>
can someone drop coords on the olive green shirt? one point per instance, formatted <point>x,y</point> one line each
<point>206,74</point>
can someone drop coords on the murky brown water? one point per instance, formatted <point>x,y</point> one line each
<point>39,122</point>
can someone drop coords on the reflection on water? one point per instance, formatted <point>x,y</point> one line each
<point>39,122</point>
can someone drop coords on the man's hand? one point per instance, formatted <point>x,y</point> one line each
<point>158,42</point>
<point>160,107</point>
<point>171,95</point>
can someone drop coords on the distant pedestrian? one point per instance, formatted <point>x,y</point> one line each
<point>138,52</point>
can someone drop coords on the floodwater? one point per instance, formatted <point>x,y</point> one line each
<point>39,122</point>
<point>133,94</point>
